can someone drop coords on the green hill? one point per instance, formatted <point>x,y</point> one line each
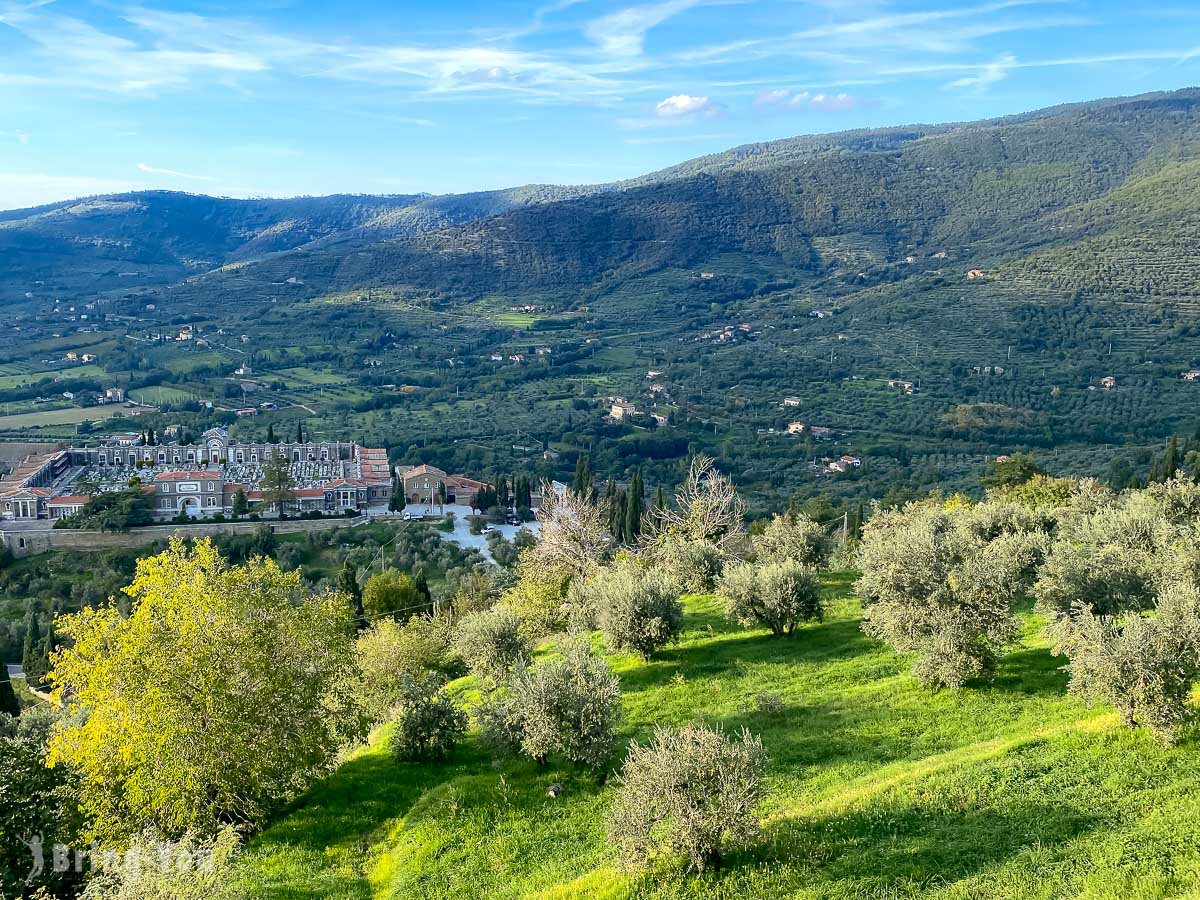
<point>876,789</point>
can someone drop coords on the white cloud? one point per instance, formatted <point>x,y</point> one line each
<point>21,137</point>
<point>780,98</point>
<point>685,105</point>
<point>152,170</point>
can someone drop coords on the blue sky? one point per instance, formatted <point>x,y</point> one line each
<point>277,98</point>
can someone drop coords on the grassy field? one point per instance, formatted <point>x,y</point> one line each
<point>10,379</point>
<point>876,789</point>
<point>160,395</point>
<point>70,416</point>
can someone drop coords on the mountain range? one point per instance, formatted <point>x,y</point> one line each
<point>1032,277</point>
<point>998,193</point>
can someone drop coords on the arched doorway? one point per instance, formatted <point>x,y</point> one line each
<point>190,506</point>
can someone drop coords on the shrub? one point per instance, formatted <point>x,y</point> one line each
<point>1145,666</point>
<point>492,645</point>
<point>932,587</point>
<point>539,604</point>
<point>779,594</point>
<point>427,724</point>
<point>637,611</point>
<point>389,651</point>
<point>393,593</point>
<point>692,566</point>
<point>567,706</point>
<point>796,538</point>
<point>34,799</point>
<point>690,792</point>
<point>476,591</point>
<point>154,868</point>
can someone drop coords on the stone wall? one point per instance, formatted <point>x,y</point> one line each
<point>27,542</point>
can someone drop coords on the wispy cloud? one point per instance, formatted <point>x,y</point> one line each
<point>623,33</point>
<point>988,74</point>
<point>21,137</point>
<point>153,170</point>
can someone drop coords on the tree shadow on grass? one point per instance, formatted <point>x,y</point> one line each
<point>888,845</point>
<point>338,818</point>
<point>1031,671</point>
<point>820,643</point>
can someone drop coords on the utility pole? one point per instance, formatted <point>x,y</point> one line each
<point>845,526</point>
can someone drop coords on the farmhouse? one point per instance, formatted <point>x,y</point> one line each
<point>621,409</point>
<point>791,401</point>
<point>1190,375</point>
<point>422,484</point>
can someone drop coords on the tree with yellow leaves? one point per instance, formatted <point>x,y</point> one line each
<point>213,702</point>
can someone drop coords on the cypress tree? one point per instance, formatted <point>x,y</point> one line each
<point>635,501</point>
<point>582,485</point>
<point>35,655</point>
<point>422,586</point>
<point>8,697</point>
<point>300,432</point>
<point>348,585</point>
<point>271,435</point>
<point>610,502</point>
<point>1171,463</point>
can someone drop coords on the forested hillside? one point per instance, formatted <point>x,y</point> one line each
<point>929,297</point>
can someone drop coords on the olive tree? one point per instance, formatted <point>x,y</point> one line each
<point>389,652</point>
<point>690,792</point>
<point>1106,560</point>
<point>796,538</point>
<point>426,723</point>
<point>693,567</point>
<point>1145,665</point>
<point>492,644</point>
<point>637,610</point>
<point>779,594</point>
<point>933,588</point>
<point>567,706</point>
<point>153,867</point>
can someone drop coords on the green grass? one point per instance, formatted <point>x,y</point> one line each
<point>11,379</point>
<point>70,416</point>
<point>876,789</point>
<point>159,395</point>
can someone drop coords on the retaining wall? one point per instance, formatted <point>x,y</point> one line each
<point>24,542</point>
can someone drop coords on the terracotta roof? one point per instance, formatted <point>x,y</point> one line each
<point>69,500</point>
<point>18,489</point>
<point>187,476</point>
<point>463,481</point>
<point>309,492</point>
<point>423,469</point>
<point>347,483</point>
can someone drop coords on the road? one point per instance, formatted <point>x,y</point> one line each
<point>462,528</point>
